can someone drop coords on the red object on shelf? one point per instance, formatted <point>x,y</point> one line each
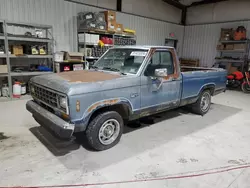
<point>110,41</point>
<point>104,40</point>
<point>66,68</point>
<point>107,40</point>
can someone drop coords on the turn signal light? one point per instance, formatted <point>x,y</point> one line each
<point>78,106</point>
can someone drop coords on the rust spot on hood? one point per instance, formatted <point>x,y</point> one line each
<point>87,76</point>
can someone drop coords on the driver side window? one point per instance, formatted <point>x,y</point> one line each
<point>160,60</point>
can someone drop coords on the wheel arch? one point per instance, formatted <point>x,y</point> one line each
<point>210,87</point>
<point>123,107</point>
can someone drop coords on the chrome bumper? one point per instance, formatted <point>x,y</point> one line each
<point>49,120</point>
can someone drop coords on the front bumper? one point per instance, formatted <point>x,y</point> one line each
<point>47,119</point>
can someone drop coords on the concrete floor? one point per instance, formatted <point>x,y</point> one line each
<point>179,150</point>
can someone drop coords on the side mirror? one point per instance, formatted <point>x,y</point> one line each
<point>161,72</point>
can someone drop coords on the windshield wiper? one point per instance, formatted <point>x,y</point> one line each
<point>114,69</point>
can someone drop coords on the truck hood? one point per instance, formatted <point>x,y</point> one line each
<point>85,81</point>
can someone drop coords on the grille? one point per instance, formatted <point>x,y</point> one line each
<point>48,97</point>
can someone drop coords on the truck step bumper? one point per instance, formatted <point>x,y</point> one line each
<point>61,128</point>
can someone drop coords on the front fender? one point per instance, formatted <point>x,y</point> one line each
<point>82,124</point>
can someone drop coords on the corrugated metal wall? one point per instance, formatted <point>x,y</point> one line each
<point>62,16</point>
<point>200,41</point>
<point>156,9</point>
<point>151,32</point>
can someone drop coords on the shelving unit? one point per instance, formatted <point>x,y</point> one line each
<point>12,38</point>
<point>59,66</point>
<point>237,57</point>
<point>83,45</point>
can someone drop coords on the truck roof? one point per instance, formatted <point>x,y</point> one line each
<point>144,47</point>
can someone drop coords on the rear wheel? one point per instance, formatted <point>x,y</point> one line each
<point>105,130</point>
<point>245,87</point>
<point>203,104</point>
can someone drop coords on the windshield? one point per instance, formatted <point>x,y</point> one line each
<point>122,60</point>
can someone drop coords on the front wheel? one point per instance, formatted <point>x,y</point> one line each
<point>105,130</point>
<point>245,87</point>
<point>203,104</point>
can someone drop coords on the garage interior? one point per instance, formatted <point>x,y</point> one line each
<point>175,148</point>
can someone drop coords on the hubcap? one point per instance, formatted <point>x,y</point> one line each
<point>109,131</point>
<point>205,101</point>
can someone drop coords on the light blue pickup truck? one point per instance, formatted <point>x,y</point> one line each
<point>125,84</point>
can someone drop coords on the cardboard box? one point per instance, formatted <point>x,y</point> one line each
<point>232,70</point>
<point>3,69</point>
<point>101,26</point>
<point>110,16</point>
<point>230,67</point>
<point>229,47</point>
<point>119,28</point>
<point>220,47</point>
<point>225,32</point>
<point>111,26</point>
<point>77,67</point>
<point>100,17</point>
<point>239,46</point>
<point>18,50</point>
<point>73,56</point>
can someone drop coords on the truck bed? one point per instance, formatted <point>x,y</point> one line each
<point>195,78</point>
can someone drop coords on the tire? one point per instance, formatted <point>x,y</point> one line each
<point>199,107</point>
<point>101,127</point>
<point>245,87</point>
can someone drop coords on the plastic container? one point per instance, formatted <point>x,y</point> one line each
<point>58,56</point>
<point>5,91</point>
<point>23,88</point>
<point>17,90</point>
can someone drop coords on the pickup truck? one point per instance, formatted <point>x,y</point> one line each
<point>125,84</point>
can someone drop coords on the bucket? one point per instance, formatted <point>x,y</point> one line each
<point>23,88</point>
<point>17,90</point>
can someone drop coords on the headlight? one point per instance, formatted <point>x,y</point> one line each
<point>63,102</point>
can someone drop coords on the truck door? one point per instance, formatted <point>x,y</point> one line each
<point>157,96</point>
